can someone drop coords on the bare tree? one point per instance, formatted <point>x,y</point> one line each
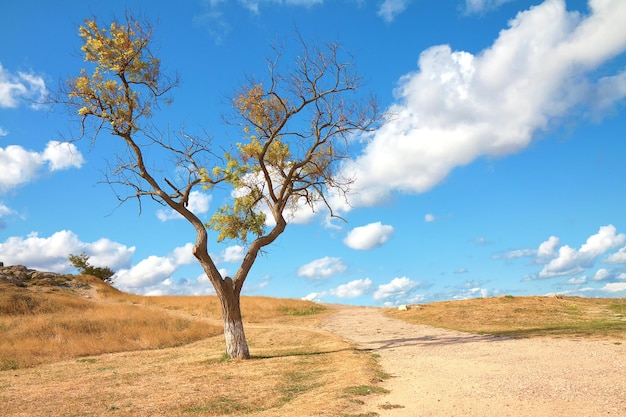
<point>296,128</point>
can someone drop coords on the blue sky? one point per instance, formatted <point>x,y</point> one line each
<point>500,172</point>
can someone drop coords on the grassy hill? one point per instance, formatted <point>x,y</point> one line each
<point>510,316</point>
<point>75,346</point>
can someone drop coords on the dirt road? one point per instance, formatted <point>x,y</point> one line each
<point>444,373</point>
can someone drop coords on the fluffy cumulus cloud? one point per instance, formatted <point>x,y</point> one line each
<point>51,253</point>
<point>20,166</point>
<point>21,88</point>
<point>614,287</point>
<point>153,270</point>
<point>186,286</point>
<point>352,289</point>
<point>545,252</point>
<point>429,218</point>
<point>570,261</point>
<point>389,9</point>
<point>368,237</point>
<point>458,106</point>
<point>322,268</point>
<point>198,204</point>
<point>233,254</point>
<point>548,248</point>
<point>617,258</point>
<point>397,291</point>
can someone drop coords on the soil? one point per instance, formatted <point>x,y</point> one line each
<point>437,372</point>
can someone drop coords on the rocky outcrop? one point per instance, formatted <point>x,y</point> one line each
<point>23,277</point>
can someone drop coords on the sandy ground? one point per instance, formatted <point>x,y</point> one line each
<point>443,373</point>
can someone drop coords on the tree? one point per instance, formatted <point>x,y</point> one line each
<point>81,262</point>
<point>295,126</point>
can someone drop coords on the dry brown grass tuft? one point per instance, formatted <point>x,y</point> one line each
<point>525,316</point>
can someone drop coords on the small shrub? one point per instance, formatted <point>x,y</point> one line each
<point>81,262</point>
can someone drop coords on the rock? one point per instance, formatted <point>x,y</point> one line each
<point>21,276</point>
<point>403,307</point>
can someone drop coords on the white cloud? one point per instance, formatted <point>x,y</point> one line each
<point>254,5</point>
<point>153,270</point>
<point>233,254</point>
<point>398,290</point>
<point>106,253</point>
<point>547,249</point>
<point>62,155</point>
<point>183,255</point>
<point>198,204</point>
<point>577,281</point>
<point>572,261</point>
<point>51,253</point>
<point>322,268</point>
<point>602,274</point>
<point>199,286</point>
<point>352,289</point>
<point>298,213</point>
<point>617,258</point>
<point>615,287</point>
<point>458,107</point>
<point>315,296</point>
<point>429,218</point>
<point>389,9</point>
<point>474,292</point>
<point>478,6</point>
<point>21,87</point>
<point>20,166</point>
<point>4,212</point>
<point>518,253</point>
<point>369,236</point>
<point>3,132</point>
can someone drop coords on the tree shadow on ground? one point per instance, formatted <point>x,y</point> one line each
<point>430,341</point>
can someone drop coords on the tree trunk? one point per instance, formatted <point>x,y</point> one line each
<point>234,335</point>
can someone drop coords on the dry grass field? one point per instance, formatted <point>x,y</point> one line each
<point>95,351</point>
<point>87,349</point>
<point>525,316</point>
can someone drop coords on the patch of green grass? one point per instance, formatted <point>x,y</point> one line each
<point>220,406</point>
<point>301,311</point>
<point>297,383</point>
<point>225,358</point>
<point>370,414</point>
<point>8,364</point>
<point>619,308</point>
<point>388,406</point>
<point>582,328</point>
<point>365,390</point>
<point>87,360</point>
<point>378,370</point>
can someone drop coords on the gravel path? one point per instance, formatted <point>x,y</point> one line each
<point>444,373</point>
